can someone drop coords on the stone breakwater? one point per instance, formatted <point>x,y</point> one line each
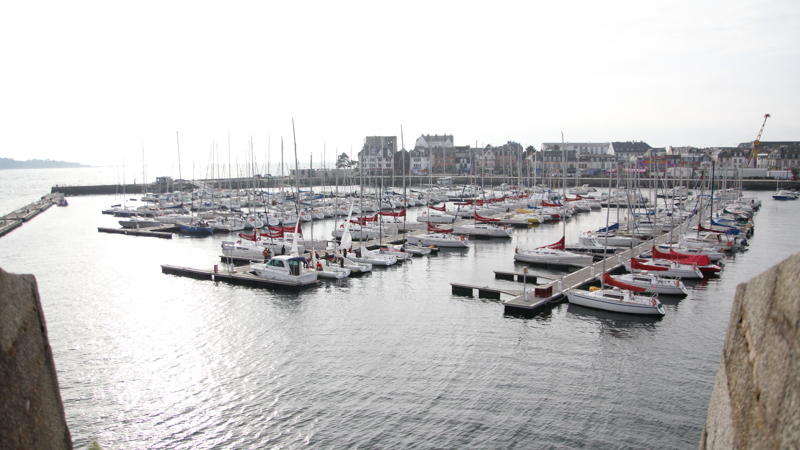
<point>756,397</point>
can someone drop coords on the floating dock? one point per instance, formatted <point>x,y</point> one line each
<point>15,219</point>
<point>159,232</point>
<point>242,277</point>
<point>554,290</point>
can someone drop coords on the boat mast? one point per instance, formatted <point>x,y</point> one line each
<point>605,240</point>
<point>564,192</point>
<point>405,194</point>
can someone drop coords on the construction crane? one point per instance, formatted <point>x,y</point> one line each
<point>757,142</point>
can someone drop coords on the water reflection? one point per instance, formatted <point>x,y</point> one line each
<point>614,324</point>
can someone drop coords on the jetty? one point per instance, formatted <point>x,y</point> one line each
<point>15,219</point>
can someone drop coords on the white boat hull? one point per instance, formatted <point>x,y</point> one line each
<point>615,300</point>
<point>438,240</point>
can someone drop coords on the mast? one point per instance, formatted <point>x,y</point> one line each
<point>180,176</point>
<point>605,239</point>
<point>564,192</point>
<point>405,195</point>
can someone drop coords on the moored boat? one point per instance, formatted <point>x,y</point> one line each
<point>619,298</point>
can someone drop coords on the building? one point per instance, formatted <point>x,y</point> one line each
<point>581,148</point>
<point>553,162</point>
<point>507,158</point>
<point>628,151</point>
<point>377,155</point>
<point>591,164</point>
<point>464,160</point>
<point>732,157</point>
<point>427,141</point>
<point>420,162</point>
<point>782,157</point>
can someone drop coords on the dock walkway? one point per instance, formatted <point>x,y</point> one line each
<point>243,277</point>
<point>581,277</point>
<point>16,218</point>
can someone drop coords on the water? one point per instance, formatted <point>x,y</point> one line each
<point>389,360</point>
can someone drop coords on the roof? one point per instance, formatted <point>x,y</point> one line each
<point>630,147</point>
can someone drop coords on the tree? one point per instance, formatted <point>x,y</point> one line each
<point>343,161</point>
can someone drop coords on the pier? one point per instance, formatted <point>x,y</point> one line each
<point>158,232</point>
<point>15,219</point>
<point>554,290</point>
<point>241,277</point>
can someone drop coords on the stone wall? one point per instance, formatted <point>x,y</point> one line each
<point>756,398</point>
<point>31,411</point>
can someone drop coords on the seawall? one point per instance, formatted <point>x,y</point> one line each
<point>413,182</point>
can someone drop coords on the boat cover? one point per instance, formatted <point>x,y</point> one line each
<point>479,218</point>
<point>402,213</point>
<point>439,208</point>
<point>700,260</point>
<point>435,229</point>
<point>288,229</point>
<point>640,265</point>
<point>732,231</point>
<point>557,246</point>
<point>611,281</point>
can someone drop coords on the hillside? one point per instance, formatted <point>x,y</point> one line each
<point>8,163</point>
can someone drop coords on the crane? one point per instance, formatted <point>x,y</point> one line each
<point>758,141</point>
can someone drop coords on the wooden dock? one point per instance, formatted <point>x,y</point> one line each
<point>16,218</point>
<point>241,277</point>
<point>530,277</point>
<point>483,291</point>
<point>160,232</point>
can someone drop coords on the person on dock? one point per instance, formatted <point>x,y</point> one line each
<point>283,249</point>
<point>266,254</point>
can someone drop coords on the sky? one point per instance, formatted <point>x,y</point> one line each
<point>112,83</point>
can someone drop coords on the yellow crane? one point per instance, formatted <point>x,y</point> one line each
<point>757,142</point>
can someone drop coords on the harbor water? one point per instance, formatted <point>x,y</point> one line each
<point>388,360</point>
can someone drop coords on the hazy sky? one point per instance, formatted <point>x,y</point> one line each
<point>89,81</point>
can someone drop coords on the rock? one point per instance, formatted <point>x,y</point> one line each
<point>31,410</point>
<point>756,398</point>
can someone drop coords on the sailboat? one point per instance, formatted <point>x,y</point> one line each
<point>621,297</point>
<point>555,254</point>
<point>552,255</point>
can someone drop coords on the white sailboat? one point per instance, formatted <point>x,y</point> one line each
<point>619,298</point>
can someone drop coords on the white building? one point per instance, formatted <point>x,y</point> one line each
<point>580,148</point>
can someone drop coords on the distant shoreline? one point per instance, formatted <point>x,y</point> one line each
<point>11,164</point>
